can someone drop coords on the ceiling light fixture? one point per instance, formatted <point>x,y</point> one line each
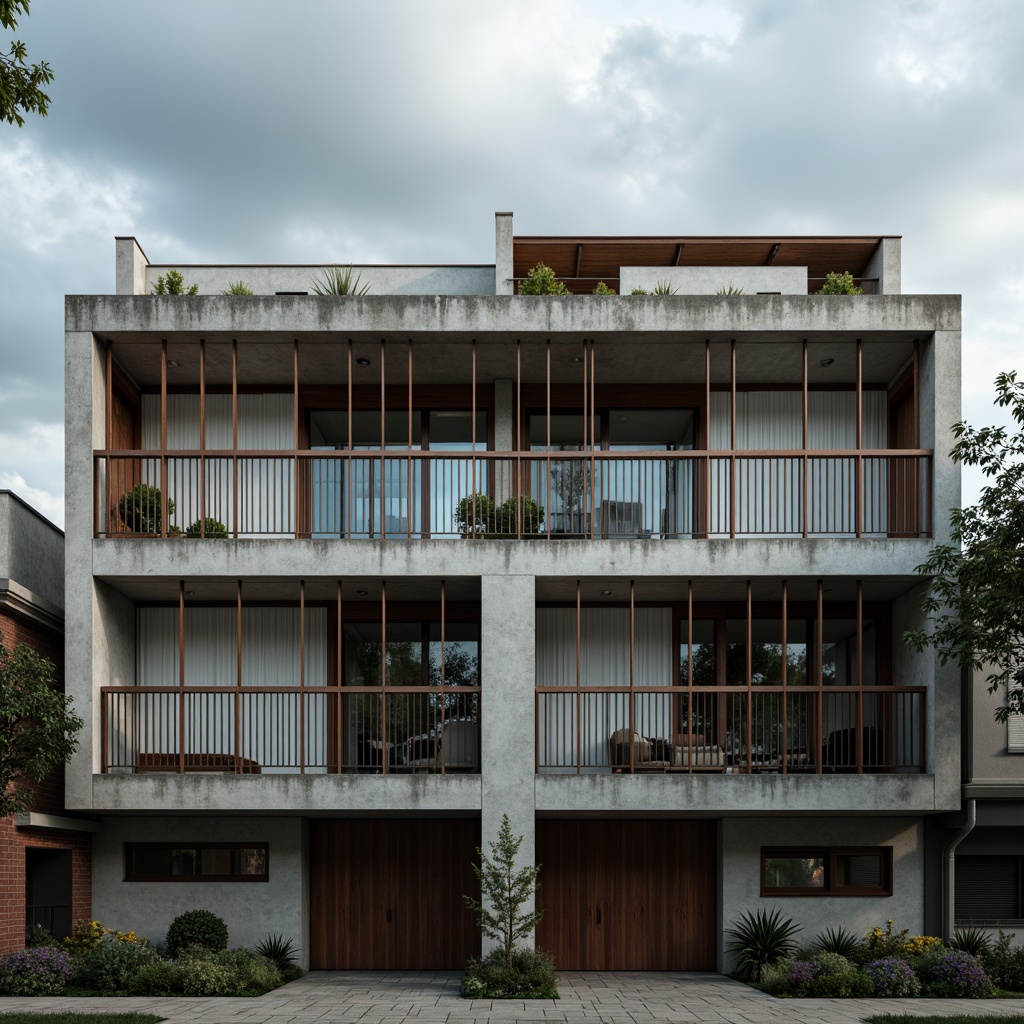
<point>605,593</point>
<point>173,362</point>
<point>363,361</point>
<point>827,362</point>
<point>362,593</point>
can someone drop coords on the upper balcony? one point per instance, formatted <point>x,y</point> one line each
<point>530,440</point>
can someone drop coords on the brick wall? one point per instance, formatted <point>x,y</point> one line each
<point>49,800</point>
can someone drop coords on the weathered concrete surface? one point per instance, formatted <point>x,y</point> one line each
<point>710,280</point>
<point>31,551</point>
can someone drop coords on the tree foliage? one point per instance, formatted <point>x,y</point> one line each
<point>173,283</point>
<point>20,83</point>
<point>839,284</point>
<point>504,891</point>
<point>37,726</point>
<point>976,593</point>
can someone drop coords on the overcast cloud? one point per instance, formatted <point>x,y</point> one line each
<point>316,132</point>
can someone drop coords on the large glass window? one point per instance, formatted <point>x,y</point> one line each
<point>851,871</point>
<point>196,862</point>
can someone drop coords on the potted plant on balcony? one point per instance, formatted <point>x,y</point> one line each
<point>531,516</point>
<point>477,516</point>
<point>474,515</point>
<point>207,528</point>
<point>140,509</point>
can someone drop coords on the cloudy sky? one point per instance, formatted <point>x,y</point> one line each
<point>313,132</point>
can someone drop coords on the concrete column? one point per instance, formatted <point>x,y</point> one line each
<point>131,266</point>
<point>503,254</point>
<point>939,410</point>
<point>507,758</point>
<point>84,402</point>
<point>885,265</point>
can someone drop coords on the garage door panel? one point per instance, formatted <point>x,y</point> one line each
<point>628,895</point>
<point>387,894</point>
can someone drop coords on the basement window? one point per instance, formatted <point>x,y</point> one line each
<point>196,862</point>
<point>834,871</point>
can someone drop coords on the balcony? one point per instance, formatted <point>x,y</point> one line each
<point>290,730</point>
<point>732,730</point>
<point>586,495</point>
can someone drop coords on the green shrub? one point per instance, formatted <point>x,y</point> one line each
<point>840,284</point>
<point>160,978</point>
<point>541,281</point>
<point>893,978</point>
<point>237,288</point>
<point>38,935</point>
<point>251,972</point>
<point>475,514</point>
<point>956,974</point>
<point>531,976</point>
<point>1004,963</point>
<point>110,966</point>
<point>849,985</point>
<point>775,976</point>
<point>196,928</point>
<point>140,512</point>
<point>207,978</point>
<point>761,938</point>
<point>826,964</point>
<point>228,972</point>
<point>207,527</point>
<point>603,289</point>
<point>173,284</point>
<point>531,515</point>
<point>639,291</point>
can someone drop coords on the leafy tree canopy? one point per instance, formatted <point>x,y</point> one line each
<point>20,83</point>
<point>37,726</point>
<point>977,591</point>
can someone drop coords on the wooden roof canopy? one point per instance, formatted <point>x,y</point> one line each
<point>583,261</point>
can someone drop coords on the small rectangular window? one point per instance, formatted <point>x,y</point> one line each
<point>196,862</point>
<point>826,872</point>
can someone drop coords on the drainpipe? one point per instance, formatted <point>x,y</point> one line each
<point>949,871</point>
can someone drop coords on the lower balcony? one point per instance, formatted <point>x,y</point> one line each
<point>593,730</point>
<point>288,730</point>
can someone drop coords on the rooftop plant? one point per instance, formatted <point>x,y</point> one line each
<point>664,288</point>
<point>541,281</point>
<point>173,284</point>
<point>840,284</point>
<point>603,289</point>
<point>237,288</point>
<point>340,281</point>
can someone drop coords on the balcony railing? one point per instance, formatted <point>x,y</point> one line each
<point>585,495</point>
<point>315,730</point>
<point>731,729</point>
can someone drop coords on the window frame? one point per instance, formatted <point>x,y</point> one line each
<point>831,855</point>
<point>132,876</point>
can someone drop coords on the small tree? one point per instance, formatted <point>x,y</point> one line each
<point>37,726</point>
<point>977,588</point>
<point>504,891</point>
<point>541,281</point>
<point>173,284</point>
<point>603,289</point>
<point>840,284</point>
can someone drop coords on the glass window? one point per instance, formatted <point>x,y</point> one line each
<point>787,872</point>
<point>702,653</point>
<point>651,430</point>
<point>196,862</point>
<point>835,872</point>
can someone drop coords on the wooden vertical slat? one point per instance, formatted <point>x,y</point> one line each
<point>339,682</point>
<point>349,482</point>
<point>632,692</point>
<point>163,438</point>
<point>688,732</point>
<point>302,677</point>
<point>819,672</point>
<point>750,678</point>
<point>547,445</point>
<point>234,436</point>
<point>732,439</point>
<point>202,437</point>
<point>438,751</point>
<point>238,679</point>
<point>860,438</point>
<point>860,676</point>
<point>181,677</point>
<point>806,464</point>
<point>579,693</point>
<point>785,675</point>
<point>408,460</point>
<point>472,462</point>
<point>384,675</point>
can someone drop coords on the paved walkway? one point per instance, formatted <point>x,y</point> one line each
<point>432,997</point>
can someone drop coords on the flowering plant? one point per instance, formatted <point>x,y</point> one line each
<point>801,974</point>
<point>958,974</point>
<point>893,978</point>
<point>41,971</point>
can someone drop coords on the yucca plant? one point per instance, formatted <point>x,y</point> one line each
<point>971,940</point>
<point>280,950</point>
<point>759,939</point>
<point>237,288</point>
<point>731,290</point>
<point>664,288</point>
<point>340,281</point>
<point>837,940</point>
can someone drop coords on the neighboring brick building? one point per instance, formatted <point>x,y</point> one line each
<point>45,855</point>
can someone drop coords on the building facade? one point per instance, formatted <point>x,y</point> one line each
<point>351,577</point>
<point>45,854</point>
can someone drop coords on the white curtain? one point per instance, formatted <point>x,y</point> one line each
<point>266,502</point>
<point>604,661</point>
<point>769,495</point>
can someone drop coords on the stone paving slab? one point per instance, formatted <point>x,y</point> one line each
<point>432,997</point>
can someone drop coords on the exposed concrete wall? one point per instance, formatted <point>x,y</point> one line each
<point>886,266</point>
<point>742,839</point>
<point>131,264</point>
<point>31,550</point>
<point>940,409</point>
<point>250,909</point>
<point>507,753</point>
<point>711,280</point>
<point>503,284</point>
<point>512,315</point>
<point>264,280</point>
<point>83,405</point>
<point>991,761</point>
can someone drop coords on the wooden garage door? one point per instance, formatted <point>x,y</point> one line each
<point>387,894</point>
<point>628,895</point>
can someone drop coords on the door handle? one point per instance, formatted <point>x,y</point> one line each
<point>389,915</point>
<point>598,915</point>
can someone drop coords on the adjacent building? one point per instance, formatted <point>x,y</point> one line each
<point>45,854</point>
<point>350,577</point>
